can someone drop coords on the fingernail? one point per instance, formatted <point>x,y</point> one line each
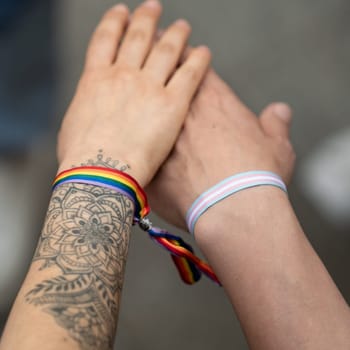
<point>182,22</point>
<point>121,7</point>
<point>204,49</point>
<point>283,111</point>
<point>152,3</point>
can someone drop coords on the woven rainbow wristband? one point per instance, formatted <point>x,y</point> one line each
<point>228,187</point>
<point>188,264</point>
<point>108,178</point>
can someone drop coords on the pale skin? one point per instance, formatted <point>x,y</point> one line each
<point>128,110</point>
<point>279,288</point>
<point>131,102</point>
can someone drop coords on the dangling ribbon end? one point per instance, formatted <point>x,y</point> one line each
<point>190,268</point>
<point>187,270</point>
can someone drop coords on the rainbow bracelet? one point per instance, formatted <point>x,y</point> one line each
<point>228,187</point>
<point>188,264</point>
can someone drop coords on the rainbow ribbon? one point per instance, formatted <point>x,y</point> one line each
<point>190,267</point>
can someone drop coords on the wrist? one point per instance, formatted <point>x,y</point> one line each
<point>242,212</point>
<point>99,159</point>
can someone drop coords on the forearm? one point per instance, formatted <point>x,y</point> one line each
<point>282,293</point>
<point>73,287</point>
<point>70,298</point>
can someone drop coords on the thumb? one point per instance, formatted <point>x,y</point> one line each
<point>275,120</point>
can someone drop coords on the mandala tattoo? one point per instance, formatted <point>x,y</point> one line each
<point>106,162</point>
<point>86,236</point>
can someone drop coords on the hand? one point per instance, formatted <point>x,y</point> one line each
<point>221,137</point>
<point>133,95</point>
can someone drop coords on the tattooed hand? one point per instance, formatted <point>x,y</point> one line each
<point>132,97</point>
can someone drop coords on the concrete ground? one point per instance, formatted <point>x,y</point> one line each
<point>295,51</point>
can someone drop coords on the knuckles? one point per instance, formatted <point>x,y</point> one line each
<point>192,73</point>
<point>137,35</point>
<point>104,34</point>
<point>92,80</point>
<point>166,48</point>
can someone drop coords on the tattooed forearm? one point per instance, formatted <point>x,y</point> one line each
<point>85,236</point>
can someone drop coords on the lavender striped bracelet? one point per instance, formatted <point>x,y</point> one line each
<point>228,187</point>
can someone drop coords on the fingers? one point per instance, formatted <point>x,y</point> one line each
<point>166,54</point>
<point>188,76</point>
<point>106,38</point>
<point>139,36</point>
<point>276,119</point>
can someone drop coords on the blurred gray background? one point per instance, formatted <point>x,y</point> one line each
<point>272,50</point>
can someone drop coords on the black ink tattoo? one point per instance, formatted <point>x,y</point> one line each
<point>86,236</point>
<point>107,162</point>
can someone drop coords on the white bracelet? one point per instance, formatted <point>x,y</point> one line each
<point>228,187</point>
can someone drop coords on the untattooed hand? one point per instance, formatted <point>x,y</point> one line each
<point>221,137</point>
<point>133,95</point>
